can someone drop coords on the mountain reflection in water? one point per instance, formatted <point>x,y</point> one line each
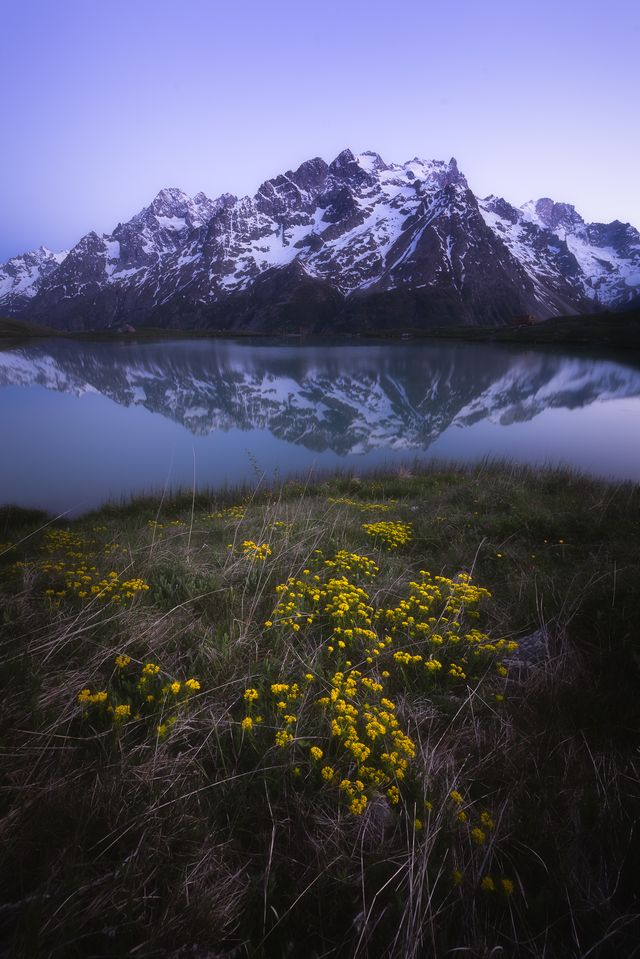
<point>294,406</point>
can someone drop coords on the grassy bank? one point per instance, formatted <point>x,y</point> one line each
<point>394,716</point>
<point>607,330</point>
<point>17,330</point>
<point>610,330</point>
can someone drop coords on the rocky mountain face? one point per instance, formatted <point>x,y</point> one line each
<point>22,276</point>
<point>357,244</point>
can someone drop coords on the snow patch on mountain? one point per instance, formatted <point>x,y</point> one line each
<point>608,255</point>
<point>20,277</point>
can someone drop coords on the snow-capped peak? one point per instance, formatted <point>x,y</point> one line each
<point>370,161</point>
<point>21,276</point>
<point>170,199</point>
<point>559,217</point>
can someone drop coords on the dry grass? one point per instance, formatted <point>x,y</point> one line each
<point>206,842</point>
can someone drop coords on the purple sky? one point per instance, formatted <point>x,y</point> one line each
<point>105,103</point>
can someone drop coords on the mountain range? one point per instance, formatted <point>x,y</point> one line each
<point>352,245</point>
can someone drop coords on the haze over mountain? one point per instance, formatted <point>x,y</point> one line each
<point>357,244</point>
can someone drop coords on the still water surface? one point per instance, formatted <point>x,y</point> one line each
<point>82,423</point>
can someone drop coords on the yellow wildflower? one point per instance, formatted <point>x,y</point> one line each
<point>255,551</point>
<point>358,805</point>
<point>283,738</point>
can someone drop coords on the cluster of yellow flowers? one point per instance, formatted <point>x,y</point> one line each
<point>363,507</point>
<point>72,574</point>
<point>433,618</point>
<point>87,698</point>
<point>250,696</point>
<point>231,512</point>
<point>248,721</point>
<point>370,752</point>
<point>341,604</point>
<point>70,579</point>
<point>255,551</point>
<point>62,540</point>
<point>391,534</point>
<point>138,693</point>
<point>367,738</point>
<point>156,526</point>
<point>346,562</point>
<point>342,715</point>
<point>83,582</point>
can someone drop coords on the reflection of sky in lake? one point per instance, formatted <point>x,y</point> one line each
<point>602,438</point>
<point>106,452</point>
<point>82,423</point>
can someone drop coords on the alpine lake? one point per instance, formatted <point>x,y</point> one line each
<point>82,423</point>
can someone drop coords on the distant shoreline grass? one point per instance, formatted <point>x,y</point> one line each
<point>294,722</point>
<point>610,330</point>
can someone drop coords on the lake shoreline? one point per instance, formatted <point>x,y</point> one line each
<point>614,330</point>
<point>178,673</point>
<point>263,488</point>
<point>111,418</point>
